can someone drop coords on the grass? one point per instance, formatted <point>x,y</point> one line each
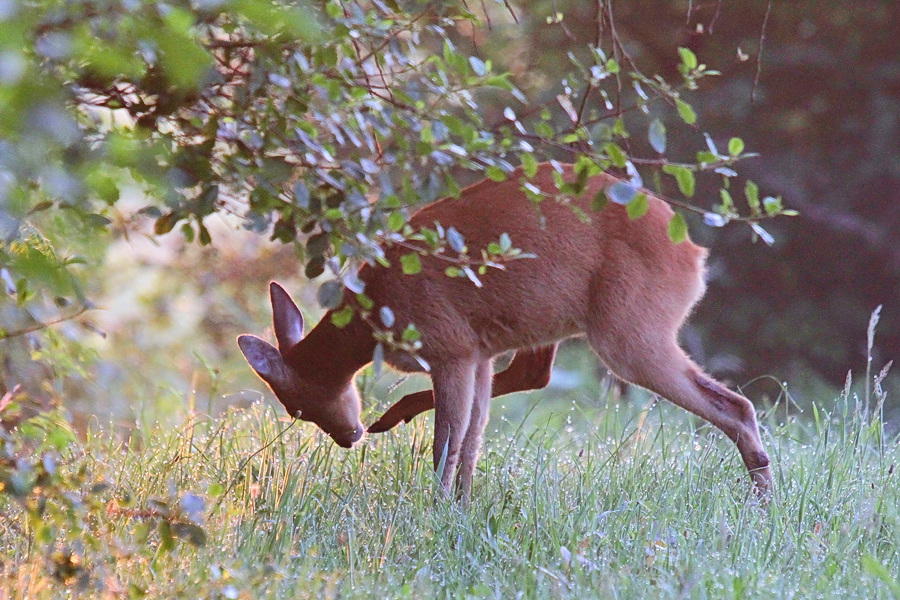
<point>618,501</point>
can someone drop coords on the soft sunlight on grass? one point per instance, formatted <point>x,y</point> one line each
<point>618,501</point>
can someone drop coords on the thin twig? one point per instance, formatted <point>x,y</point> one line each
<point>597,39</point>
<point>487,18</point>
<point>511,11</point>
<point>715,17</point>
<point>5,335</point>
<point>762,40</point>
<point>619,52</point>
<point>394,34</point>
<point>598,34</point>
<point>562,22</point>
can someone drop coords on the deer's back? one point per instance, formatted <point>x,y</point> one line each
<point>534,300</point>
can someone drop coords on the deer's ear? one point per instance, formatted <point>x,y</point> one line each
<point>286,317</point>
<point>263,357</point>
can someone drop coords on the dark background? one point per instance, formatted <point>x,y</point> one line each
<point>824,115</point>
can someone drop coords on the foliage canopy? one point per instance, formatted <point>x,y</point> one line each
<point>319,124</point>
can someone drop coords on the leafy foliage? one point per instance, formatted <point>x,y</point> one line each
<point>320,125</point>
<point>76,522</point>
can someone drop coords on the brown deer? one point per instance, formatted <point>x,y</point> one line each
<point>623,283</point>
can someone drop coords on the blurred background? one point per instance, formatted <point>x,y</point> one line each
<point>816,93</point>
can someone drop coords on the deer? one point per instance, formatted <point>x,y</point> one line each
<point>620,282</point>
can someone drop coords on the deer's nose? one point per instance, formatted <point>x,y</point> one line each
<point>348,438</point>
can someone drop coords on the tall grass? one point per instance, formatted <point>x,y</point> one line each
<point>616,501</point>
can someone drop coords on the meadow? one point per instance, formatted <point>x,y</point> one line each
<point>584,498</point>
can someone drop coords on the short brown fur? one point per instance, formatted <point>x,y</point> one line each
<point>621,282</point>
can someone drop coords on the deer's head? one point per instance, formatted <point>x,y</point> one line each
<point>334,407</point>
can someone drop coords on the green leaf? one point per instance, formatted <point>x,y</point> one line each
<point>165,223</point>
<point>341,318</point>
<point>188,232</point>
<point>396,221</point>
<point>616,154</point>
<point>103,185</point>
<point>411,334</point>
<point>182,58</point>
<point>330,294</point>
<point>453,188</point>
<point>365,302</point>
<point>751,191</point>
<point>333,10</point>
<point>727,202</point>
<point>427,134</point>
<point>166,539</point>
<point>686,112</point>
<point>599,201</point>
<point>315,267</point>
<point>705,156</point>
<point>411,263</point>
<point>688,58</point>
<point>40,206</point>
<point>544,129</point>
<point>657,136</point>
<point>772,205</point>
<point>735,146</point>
<point>334,214</point>
<point>205,237</point>
<point>194,534</point>
<point>678,229</point>
<point>529,165</point>
<point>637,208</point>
<point>295,21</point>
<point>499,81</point>
<point>684,177</point>
<point>60,437</point>
<point>495,173</point>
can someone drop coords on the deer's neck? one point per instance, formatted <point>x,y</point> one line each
<point>333,355</point>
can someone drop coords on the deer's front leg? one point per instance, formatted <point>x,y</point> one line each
<point>529,370</point>
<point>471,446</point>
<point>454,388</point>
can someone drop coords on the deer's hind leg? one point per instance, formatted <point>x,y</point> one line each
<point>634,331</point>
<point>667,371</point>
